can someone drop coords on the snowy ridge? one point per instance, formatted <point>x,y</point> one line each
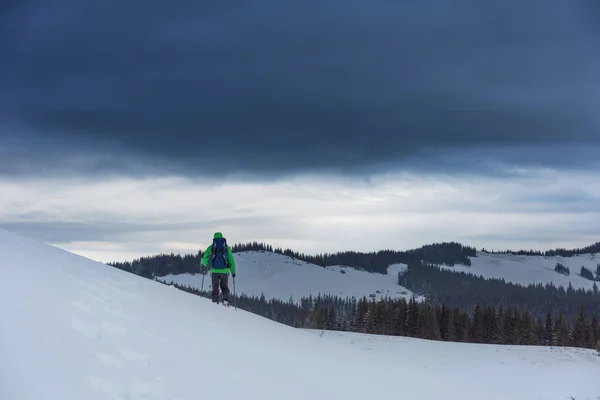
<point>77,329</point>
<point>525,269</point>
<point>283,277</point>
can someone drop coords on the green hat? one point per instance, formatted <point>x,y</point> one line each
<point>218,235</point>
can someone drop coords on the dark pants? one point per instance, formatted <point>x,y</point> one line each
<point>219,280</point>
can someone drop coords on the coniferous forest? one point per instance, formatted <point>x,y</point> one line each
<point>466,290</point>
<point>426,320</point>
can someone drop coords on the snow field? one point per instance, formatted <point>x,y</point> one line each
<point>76,329</point>
<point>283,277</point>
<point>525,270</point>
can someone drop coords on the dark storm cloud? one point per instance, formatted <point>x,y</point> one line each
<point>207,86</point>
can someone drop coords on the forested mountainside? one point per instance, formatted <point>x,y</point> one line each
<point>466,290</point>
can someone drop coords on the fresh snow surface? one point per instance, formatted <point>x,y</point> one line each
<point>283,277</point>
<point>525,270</point>
<point>76,329</point>
<point>508,372</point>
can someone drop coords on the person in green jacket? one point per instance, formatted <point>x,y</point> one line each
<point>219,258</point>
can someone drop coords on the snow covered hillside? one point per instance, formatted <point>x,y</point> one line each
<point>280,276</point>
<point>524,269</point>
<point>508,372</point>
<point>76,329</point>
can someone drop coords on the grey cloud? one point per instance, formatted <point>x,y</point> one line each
<point>534,239</point>
<point>64,232</point>
<point>572,201</point>
<point>214,87</point>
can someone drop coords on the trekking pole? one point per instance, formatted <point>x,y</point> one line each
<point>203,272</point>
<point>202,287</point>
<point>234,296</point>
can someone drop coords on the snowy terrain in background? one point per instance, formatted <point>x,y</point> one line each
<point>522,269</point>
<point>76,329</point>
<point>280,277</point>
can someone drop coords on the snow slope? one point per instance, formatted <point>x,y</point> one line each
<point>515,370</point>
<point>280,276</point>
<point>523,269</point>
<point>77,329</point>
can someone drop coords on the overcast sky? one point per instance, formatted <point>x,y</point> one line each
<point>140,127</point>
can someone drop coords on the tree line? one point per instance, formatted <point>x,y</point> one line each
<point>426,320</point>
<point>449,253</point>
<point>591,249</point>
<point>439,253</point>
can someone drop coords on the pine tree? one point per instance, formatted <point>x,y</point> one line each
<point>476,331</point>
<point>446,322</point>
<point>562,332</point>
<point>581,331</point>
<point>358,322</point>
<point>368,325</point>
<point>490,325</point>
<point>517,320</point>
<point>331,319</point>
<point>428,326</point>
<point>461,325</point>
<point>539,331</point>
<point>400,318</point>
<point>500,316</point>
<point>412,318</point>
<point>528,336</point>
<point>549,331</point>
<point>595,329</point>
<point>510,326</point>
<point>384,314</point>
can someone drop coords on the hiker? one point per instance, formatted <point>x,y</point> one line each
<point>219,258</point>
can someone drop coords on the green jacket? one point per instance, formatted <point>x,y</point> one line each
<point>208,253</point>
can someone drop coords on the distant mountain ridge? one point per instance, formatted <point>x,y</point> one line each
<point>448,253</point>
<point>444,253</point>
